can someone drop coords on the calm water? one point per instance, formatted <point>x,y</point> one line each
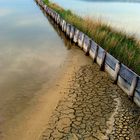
<point>123,15</point>
<point>31,53</point>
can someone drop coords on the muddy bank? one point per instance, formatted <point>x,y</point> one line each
<point>93,109</point>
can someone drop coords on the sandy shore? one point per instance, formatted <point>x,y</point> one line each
<point>31,122</point>
<point>93,109</point>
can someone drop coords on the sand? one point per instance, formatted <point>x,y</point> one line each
<point>31,122</point>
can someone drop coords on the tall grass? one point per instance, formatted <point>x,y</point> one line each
<point>124,47</point>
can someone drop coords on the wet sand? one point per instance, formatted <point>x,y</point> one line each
<point>29,124</point>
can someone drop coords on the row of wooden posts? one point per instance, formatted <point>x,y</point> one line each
<point>128,81</point>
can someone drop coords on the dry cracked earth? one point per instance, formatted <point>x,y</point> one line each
<point>93,109</point>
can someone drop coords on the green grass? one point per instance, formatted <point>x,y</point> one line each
<point>124,47</point>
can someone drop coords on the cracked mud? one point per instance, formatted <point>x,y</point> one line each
<point>93,109</point>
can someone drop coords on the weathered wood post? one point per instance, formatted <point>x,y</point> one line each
<point>102,67</point>
<point>76,35</point>
<point>81,39</point>
<point>133,87</point>
<point>68,30</point>
<point>64,26</point>
<point>117,69</point>
<point>72,31</point>
<point>88,48</point>
<point>96,54</point>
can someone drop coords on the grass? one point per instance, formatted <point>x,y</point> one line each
<point>124,47</point>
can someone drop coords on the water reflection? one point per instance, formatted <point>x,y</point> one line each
<point>29,56</point>
<point>68,43</point>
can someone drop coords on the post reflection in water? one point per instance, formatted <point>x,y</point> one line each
<point>67,42</point>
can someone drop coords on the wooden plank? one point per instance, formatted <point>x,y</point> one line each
<point>40,3</point>
<point>52,14</point>
<point>80,39</point>
<point>93,46</point>
<point>100,52</point>
<point>124,85</point>
<point>100,59</point>
<point>127,74</point>
<point>137,98</point>
<point>86,43</point>
<point>111,61</point>
<point>58,19</point>
<point>45,7</point>
<point>138,85</point>
<point>62,23</point>
<point>110,71</point>
<point>64,26</point>
<point>76,34</point>
<point>56,16</point>
<point>68,29</point>
<point>93,50</point>
<point>72,30</point>
<point>49,11</point>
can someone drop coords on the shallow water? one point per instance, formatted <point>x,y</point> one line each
<point>123,15</point>
<point>31,53</point>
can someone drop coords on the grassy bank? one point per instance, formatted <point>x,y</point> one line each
<point>122,46</point>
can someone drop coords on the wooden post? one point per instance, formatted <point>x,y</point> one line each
<point>72,31</point>
<point>76,36</point>
<point>133,87</point>
<point>96,54</point>
<point>88,49</point>
<point>69,31</point>
<point>102,67</point>
<point>117,69</point>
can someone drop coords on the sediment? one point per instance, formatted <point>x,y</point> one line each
<point>93,109</point>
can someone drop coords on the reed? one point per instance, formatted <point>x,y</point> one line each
<point>124,47</point>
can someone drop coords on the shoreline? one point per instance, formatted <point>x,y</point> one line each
<point>93,109</point>
<point>70,24</point>
<point>32,121</point>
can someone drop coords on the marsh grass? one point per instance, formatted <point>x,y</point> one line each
<point>124,47</point>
